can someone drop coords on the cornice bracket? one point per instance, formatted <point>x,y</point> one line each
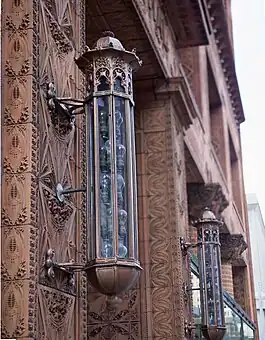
<point>178,89</point>
<point>232,246</point>
<point>210,195</point>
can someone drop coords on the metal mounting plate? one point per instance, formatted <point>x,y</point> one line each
<point>59,193</point>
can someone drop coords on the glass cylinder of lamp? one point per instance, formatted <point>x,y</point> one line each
<point>209,260</point>
<point>113,264</point>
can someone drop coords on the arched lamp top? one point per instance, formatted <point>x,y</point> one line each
<point>207,214</point>
<point>108,40</point>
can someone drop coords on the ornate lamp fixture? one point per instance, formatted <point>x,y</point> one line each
<point>209,260</point>
<point>113,264</point>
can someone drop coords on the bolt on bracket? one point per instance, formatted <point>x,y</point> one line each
<point>61,192</point>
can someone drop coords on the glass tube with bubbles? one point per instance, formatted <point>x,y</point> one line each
<point>106,226</point>
<point>121,178</point>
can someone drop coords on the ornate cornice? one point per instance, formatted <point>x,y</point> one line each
<point>189,21</point>
<point>221,33</point>
<point>206,195</point>
<point>232,246</point>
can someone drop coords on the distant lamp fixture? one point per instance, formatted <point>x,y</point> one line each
<point>111,210</point>
<point>209,260</point>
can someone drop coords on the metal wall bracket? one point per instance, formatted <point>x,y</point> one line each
<point>188,328</point>
<point>68,268</point>
<point>65,108</point>
<point>61,192</point>
<point>185,246</point>
<point>187,291</point>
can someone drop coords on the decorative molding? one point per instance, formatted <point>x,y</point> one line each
<point>219,24</point>
<point>177,205</point>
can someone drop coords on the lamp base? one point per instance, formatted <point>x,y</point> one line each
<point>213,332</point>
<point>113,276</point>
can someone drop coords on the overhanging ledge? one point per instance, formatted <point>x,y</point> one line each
<point>189,20</point>
<point>221,34</point>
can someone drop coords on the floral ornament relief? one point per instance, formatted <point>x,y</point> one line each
<point>60,212</point>
<point>58,308</point>
<point>108,320</point>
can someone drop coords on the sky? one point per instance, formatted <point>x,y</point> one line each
<point>249,43</point>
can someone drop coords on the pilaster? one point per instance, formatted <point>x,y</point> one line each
<point>19,229</point>
<point>162,216</point>
<point>38,41</point>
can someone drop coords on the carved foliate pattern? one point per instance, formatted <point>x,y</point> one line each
<point>181,226</point>
<point>60,161</point>
<point>56,308</point>
<point>206,195</point>
<point>20,166</point>
<point>83,225</point>
<point>217,147</point>
<point>60,213</point>
<point>107,320</point>
<point>232,246</point>
<point>160,165</point>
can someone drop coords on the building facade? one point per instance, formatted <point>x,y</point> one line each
<point>257,240</point>
<point>188,113</point>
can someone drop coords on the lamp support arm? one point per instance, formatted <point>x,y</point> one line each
<point>69,268</point>
<point>185,246</point>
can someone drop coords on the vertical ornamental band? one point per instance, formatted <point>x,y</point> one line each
<point>113,264</point>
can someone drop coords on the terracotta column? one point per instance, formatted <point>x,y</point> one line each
<point>162,216</point>
<point>38,41</point>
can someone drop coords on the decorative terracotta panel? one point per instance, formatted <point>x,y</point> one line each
<point>60,225</point>
<point>20,138</point>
